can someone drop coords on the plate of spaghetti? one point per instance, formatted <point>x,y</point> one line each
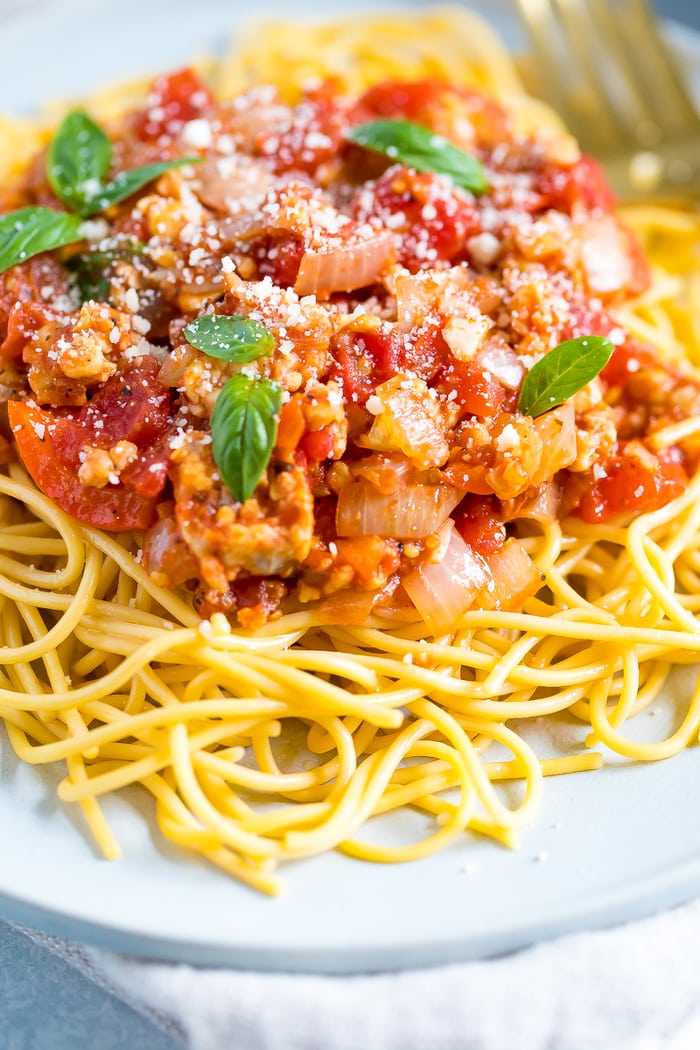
<point>348,503</point>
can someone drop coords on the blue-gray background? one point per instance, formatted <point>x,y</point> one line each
<point>44,1003</point>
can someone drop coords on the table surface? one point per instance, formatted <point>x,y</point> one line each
<point>44,1003</point>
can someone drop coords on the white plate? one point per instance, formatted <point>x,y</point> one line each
<point>607,847</point>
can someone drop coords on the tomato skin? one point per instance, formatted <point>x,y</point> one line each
<point>173,100</point>
<point>479,523</point>
<point>636,480</point>
<point>117,510</point>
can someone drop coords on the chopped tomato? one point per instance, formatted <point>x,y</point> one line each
<point>434,104</point>
<point>426,350</point>
<point>148,474</point>
<point>431,221</point>
<point>37,281</point>
<point>313,136</point>
<point>365,359</point>
<point>278,256</point>
<point>291,428</point>
<point>373,558</point>
<point>479,523</point>
<point>116,509</point>
<point>412,100</point>
<point>636,481</point>
<point>627,360</point>
<point>586,318</point>
<point>173,100</point>
<point>130,407</point>
<point>474,390</point>
<point>317,445</point>
<point>255,599</point>
<point>25,319</point>
<point>584,183</point>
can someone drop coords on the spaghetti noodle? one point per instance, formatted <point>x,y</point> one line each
<point>283,741</point>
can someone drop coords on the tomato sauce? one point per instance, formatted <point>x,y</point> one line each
<point>406,306</point>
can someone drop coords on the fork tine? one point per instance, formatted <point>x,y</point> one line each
<point>642,123</point>
<point>612,105</point>
<point>567,87</point>
<point>658,76</point>
<point>602,64</point>
<point>537,15</point>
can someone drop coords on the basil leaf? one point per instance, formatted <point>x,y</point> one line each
<point>418,147</point>
<point>78,159</point>
<point>562,372</point>
<point>27,232</point>
<point>243,430</point>
<point>236,338</point>
<point>128,182</point>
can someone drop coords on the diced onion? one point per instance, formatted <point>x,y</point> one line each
<point>352,265</point>
<point>387,473</point>
<point>557,430</point>
<point>164,551</point>
<point>409,513</point>
<point>350,607</point>
<point>222,183</point>
<point>503,364</point>
<point>514,577</point>
<point>541,505</point>
<point>174,365</point>
<point>605,256</point>
<point>444,585</point>
<point>418,295</point>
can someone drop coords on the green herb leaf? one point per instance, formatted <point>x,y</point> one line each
<point>243,430</point>
<point>79,157</point>
<point>27,232</point>
<point>128,182</point>
<point>562,372</point>
<point>236,338</point>
<point>418,147</point>
<point>78,160</point>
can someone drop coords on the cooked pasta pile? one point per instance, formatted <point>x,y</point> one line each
<point>280,743</point>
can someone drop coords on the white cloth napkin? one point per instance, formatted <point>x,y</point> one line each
<point>636,987</point>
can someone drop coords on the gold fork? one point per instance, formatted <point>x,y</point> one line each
<point>605,68</point>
